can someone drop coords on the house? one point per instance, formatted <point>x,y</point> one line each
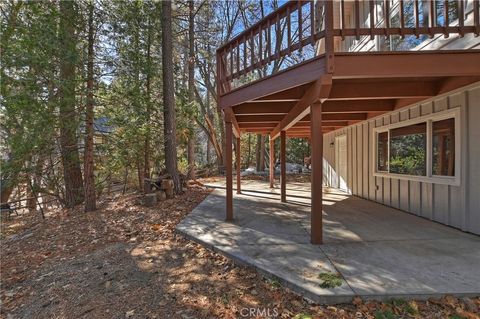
<point>388,93</point>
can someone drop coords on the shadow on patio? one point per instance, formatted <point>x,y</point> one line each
<point>379,251</point>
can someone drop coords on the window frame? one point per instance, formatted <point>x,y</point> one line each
<point>428,119</point>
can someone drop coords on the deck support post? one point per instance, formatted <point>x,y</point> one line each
<point>316,137</point>
<point>238,164</point>
<point>228,169</point>
<point>272,162</point>
<point>283,167</point>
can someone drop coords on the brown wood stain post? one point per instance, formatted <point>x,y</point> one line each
<point>228,164</point>
<point>238,163</point>
<point>317,173</point>
<point>272,163</point>
<point>283,167</point>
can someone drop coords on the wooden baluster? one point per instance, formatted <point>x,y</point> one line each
<point>252,43</point>
<point>244,70</point>
<point>432,19</point>
<point>461,17</point>
<point>387,17</point>
<point>260,55</point>
<point>269,42</point>
<point>402,20</point>
<point>417,18</point>
<point>231,61</point>
<point>300,25</point>
<point>238,57</point>
<point>289,31</point>
<point>372,18</point>
<point>476,16</point>
<point>329,38</point>
<point>342,13</point>
<point>219,75</point>
<point>278,45</point>
<point>312,23</point>
<point>357,19</point>
<point>446,18</point>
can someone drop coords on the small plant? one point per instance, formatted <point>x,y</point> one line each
<point>275,283</point>
<point>385,314</point>
<point>409,307</point>
<point>302,316</point>
<point>330,279</point>
<point>225,299</point>
<point>456,317</point>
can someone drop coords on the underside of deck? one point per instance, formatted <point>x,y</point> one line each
<point>363,86</point>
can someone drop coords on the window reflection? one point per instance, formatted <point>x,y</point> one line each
<point>443,147</point>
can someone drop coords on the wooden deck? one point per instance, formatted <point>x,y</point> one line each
<point>333,89</point>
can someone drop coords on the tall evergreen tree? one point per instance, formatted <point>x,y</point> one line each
<point>169,97</point>
<point>68,115</point>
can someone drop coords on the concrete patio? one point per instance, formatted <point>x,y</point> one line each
<point>380,252</point>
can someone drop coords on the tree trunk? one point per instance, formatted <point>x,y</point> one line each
<point>262,153</point>
<point>88,168</point>
<point>258,153</point>
<point>249,149</point>
<point>146,154</point>
<point>208,150</point>
<point>68,125</point>
<point>191,86</point>
<point>141,178</point>
<point>168,96</point>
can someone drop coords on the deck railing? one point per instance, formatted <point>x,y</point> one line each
<point>301,30</point>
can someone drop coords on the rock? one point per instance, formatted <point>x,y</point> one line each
<point>470,305</point>
<point>129,313</point>
<point>170,193</point>
<point>150,200</point>
<point>167,184</point>
<point>161,196</point>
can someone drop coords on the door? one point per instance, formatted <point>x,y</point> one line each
<point>341,161</point>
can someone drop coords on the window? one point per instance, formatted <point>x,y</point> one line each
<point>443,147</point>
<point>382,152</point>
<point>422,149</point>
<point>408,150</point>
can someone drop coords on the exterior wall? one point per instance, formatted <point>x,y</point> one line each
<point>457,206</point>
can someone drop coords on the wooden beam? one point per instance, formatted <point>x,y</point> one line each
<point>300,74</point>
<point>450,84</point>
<point>319,90</point>
<point>316,136</point>
<point>259,118</point>
<point>228,170</point>
<point>272,163</point>
<point>358,106</point>
<point>382,90</point>
<point>283,167</point>
<point>262,125</point>
<point>290,95</point>
<point>238,164</point>
<point>265,108</point>
<point>282,108</point>
<point>230,117</point>
<point>407,64</point>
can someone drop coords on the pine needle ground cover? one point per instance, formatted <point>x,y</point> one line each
<point>125,260</point>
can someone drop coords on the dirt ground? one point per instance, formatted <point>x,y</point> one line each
<point>126,261</point>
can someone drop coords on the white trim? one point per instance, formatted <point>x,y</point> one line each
<point>428,119</point>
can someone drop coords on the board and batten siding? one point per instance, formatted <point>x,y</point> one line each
<point>457,206</point>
